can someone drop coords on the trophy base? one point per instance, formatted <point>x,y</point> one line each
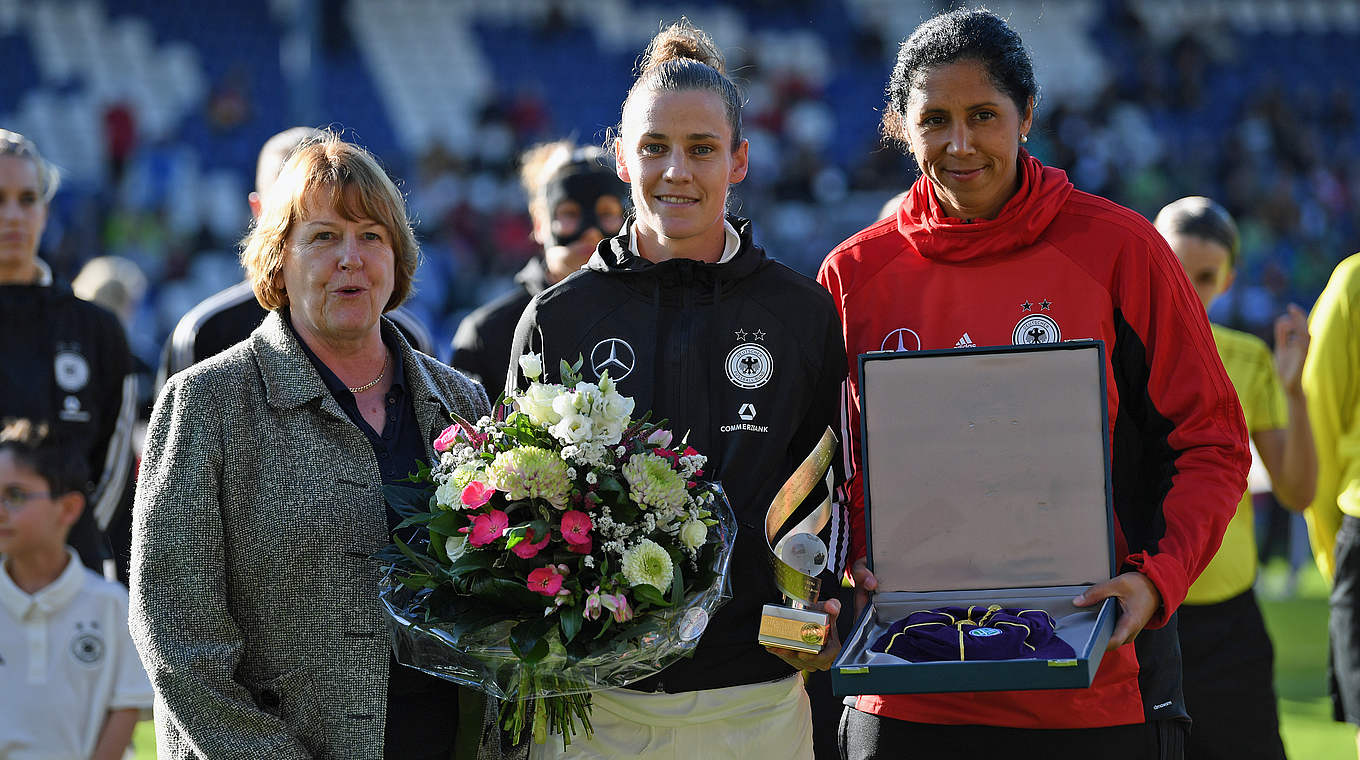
<point>801,630</point>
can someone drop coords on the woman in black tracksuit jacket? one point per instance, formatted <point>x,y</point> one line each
<point>737,351</point>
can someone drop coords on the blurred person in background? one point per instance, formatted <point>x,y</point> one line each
<point>662,307</point>
<point>73,686</point>
<point>227,317</point>
<point>118,284</point>
<point>66,361</point>
<point>1331,380</point>
<point>575,201</point>
<point>254,589</point>
<point>991,247</point>
<point>1226,655</point>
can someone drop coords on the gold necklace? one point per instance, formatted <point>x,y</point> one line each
<point>376,380</point>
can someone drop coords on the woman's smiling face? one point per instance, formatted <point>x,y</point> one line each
<point>965,136</point>
<point>676,152</point>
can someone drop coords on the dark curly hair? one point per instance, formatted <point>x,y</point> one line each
<point>959,35</point>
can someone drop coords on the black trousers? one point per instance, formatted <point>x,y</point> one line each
<point>1343,625</point>
<point>869,737</point>
<point>1229,689</point>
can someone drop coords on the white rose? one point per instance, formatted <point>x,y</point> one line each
<point>565,404</point>
<point>610,432</point>
<point>693,534</point>
<point>617,408</point>
<point>537,402</point>
<point>454,546</point>
<point>531,365</point>
<point>572,428</point>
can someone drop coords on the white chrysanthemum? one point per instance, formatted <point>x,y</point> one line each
<point>448,494</point>
<point>652,483</point>
<point>529,472</point>
<point>466,473</point>
<point>648,563</point>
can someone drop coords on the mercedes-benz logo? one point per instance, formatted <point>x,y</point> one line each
<point>897,340</point>
<point>613,355</point>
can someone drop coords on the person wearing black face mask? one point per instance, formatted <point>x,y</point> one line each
<point>575,201</point>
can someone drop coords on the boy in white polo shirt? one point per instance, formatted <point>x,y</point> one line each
<point>71,685</point>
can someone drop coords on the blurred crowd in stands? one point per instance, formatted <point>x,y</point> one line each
<point>1261,117</point>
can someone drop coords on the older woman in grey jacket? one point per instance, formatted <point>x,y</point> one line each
<point>254,593</point>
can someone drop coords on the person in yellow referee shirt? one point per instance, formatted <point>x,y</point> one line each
<point>1331,377</point>
<point>1226,653</point>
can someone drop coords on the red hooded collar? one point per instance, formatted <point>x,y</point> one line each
<point>922,221</point>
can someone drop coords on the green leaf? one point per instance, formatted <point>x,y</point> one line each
<point>389,555</point>
<point>539,528</point>
<point>421,475</point>
<point>472,559</point>
<point>419,561</point>
<point>408,501</point>
<point>437,547</point>
<point>507,592</point>
<point>515,536</point>
<point>528,638</point>
<point>650,594</point>
<point>420,519</point>
<point>571,622</point>
<point>447,523</point>
<point>677,582</point>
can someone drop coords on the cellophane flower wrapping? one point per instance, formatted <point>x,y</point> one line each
<point>559,548</point>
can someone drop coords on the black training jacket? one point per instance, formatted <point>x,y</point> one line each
<point>229,316</point>
<point>66,363</point>
<point>746,358</point>
<point>481,347</point>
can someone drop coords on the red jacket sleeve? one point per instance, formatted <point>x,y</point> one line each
<point>1180,455</point>
<point>850,494</point>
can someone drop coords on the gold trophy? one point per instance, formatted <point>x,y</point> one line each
<point>799,556</point>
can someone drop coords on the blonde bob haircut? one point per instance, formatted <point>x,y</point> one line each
<point>346,176</point>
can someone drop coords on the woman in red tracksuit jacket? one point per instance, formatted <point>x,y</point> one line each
<point>990,247</point>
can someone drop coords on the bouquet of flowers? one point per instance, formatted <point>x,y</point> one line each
<point>567,547</point>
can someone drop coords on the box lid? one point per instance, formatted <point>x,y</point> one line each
<point>987,468</point>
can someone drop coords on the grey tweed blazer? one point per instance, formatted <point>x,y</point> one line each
<point>254,598</point>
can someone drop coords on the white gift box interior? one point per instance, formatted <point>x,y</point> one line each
<point>986,477</point>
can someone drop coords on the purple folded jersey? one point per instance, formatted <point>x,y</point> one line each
<point>979,632</point>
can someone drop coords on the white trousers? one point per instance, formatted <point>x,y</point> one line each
<point>766,720</point>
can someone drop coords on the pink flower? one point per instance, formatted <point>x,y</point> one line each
<point>592,610</point>
<point>660,438</point>
<point>446,438</point>
<point>489,527</point>
<point>618,605</point>
<point>576,527</point>
<point>454,433</point>
<point>527,549</point>
<point>545,580</point>
<point>476,494</point>
<point>472,436</point>
<point>580,548</point>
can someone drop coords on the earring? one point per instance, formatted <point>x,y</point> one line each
<point>1024,139</point>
